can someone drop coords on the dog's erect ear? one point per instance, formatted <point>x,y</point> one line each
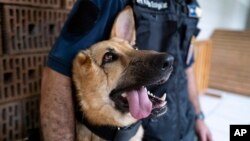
<point>83,58</point>
<point>124,26</point>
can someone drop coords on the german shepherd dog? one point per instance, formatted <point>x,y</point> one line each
<point>111,79</point>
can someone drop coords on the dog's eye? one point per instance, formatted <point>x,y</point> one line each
<point>135,47</point>
<point>109,57</point>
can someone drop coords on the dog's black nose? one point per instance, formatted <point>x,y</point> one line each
<point>168,62</point>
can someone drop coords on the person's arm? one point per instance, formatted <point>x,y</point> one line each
<point>202,130</point>
<point>56,107</point>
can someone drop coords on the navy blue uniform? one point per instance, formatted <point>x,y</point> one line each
<point>166,28</point>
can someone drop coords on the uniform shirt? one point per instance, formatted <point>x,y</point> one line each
<point>90,21</point>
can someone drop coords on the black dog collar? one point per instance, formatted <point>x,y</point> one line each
<point>110,133</point>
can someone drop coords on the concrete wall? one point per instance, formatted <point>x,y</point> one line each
<point>225,14</point>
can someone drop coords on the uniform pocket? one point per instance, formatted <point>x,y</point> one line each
<point>154,28</point>
<point>154,34</point>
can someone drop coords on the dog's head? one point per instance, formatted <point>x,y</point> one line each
<point>111,77</point>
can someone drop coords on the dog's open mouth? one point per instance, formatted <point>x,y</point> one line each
<point>140,102</point>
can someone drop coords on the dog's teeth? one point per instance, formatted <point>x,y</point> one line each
<point>152,95</point>
<point>163,98</point>
<point>124,95</point>
<point>163,103</point>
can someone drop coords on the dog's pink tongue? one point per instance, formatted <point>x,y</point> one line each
<point>139,104</point>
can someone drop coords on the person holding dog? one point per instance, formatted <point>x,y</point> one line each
<point>162,25</point>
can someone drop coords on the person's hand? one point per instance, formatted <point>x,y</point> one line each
<point>203,131</point>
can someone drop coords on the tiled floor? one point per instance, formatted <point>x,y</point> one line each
<point>224,111</point>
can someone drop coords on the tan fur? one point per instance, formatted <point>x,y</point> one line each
<point>103,80</point>
<point>84,134</point>
<point>94,82</point>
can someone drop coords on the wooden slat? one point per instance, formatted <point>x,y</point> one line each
<point>230,62</point>
<point>202,64</point>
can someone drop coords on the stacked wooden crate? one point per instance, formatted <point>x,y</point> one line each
<point>28,30</point>
<point>230,69</point>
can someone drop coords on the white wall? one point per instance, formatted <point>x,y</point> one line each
<point>223,14</point>
<point>248,21</point>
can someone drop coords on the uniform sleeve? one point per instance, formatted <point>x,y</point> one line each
<point>89,21</point>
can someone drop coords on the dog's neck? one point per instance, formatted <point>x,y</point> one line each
<point>109,132</point>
